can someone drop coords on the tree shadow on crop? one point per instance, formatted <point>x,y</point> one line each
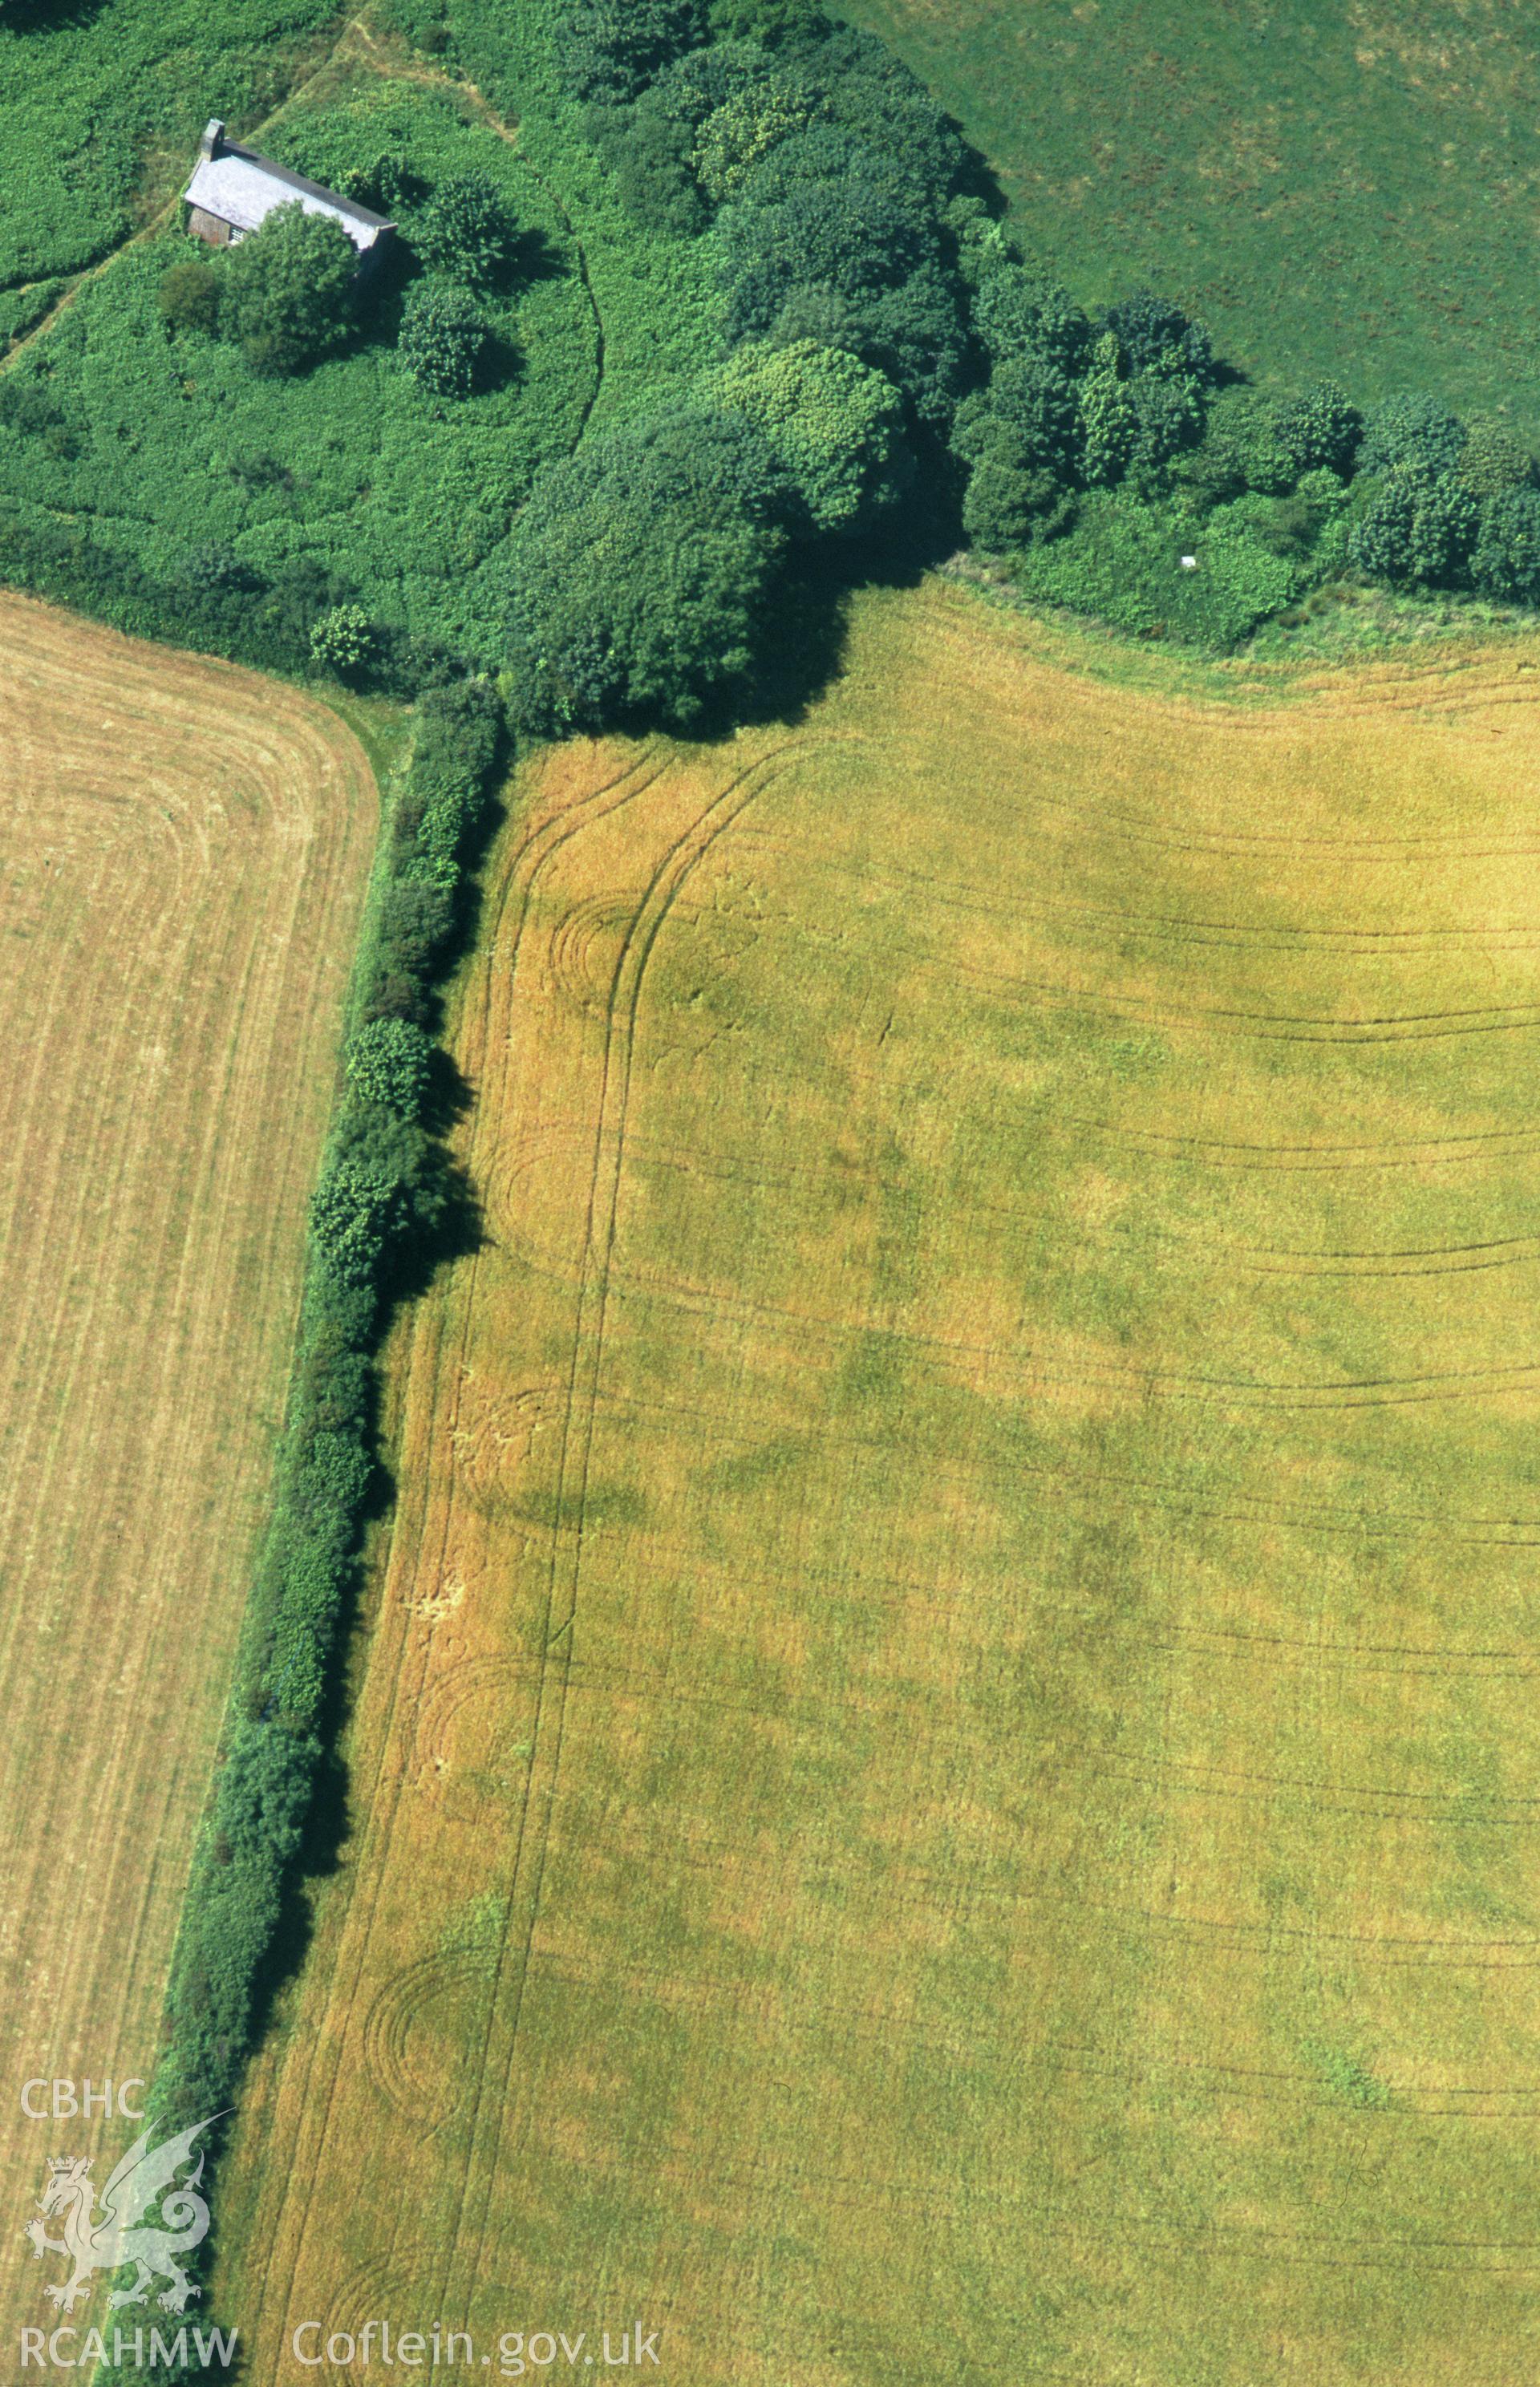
<point>448,1098</point>
<point>803,642</point>
<point>456,1232</point>
<point>326,1821</point>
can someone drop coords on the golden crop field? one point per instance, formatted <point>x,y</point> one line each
<point>184,849</point>
<point>942,1771</point>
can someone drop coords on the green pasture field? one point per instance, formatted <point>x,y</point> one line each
<point>1342,190</point>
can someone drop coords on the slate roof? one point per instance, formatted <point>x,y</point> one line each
<point>241,189</point>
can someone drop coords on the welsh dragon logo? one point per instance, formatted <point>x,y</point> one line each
<point>146,2176</point>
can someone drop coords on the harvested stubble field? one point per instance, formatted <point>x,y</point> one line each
<point>185,852</point>
<point>945,1764</point>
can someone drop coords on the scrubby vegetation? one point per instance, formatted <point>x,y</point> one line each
<point>793,273</point>
<point>101,109</point>
<point>150,471</point>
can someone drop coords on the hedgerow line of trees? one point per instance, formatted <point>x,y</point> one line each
<point>379,1211</point>
<point>385,1185</point>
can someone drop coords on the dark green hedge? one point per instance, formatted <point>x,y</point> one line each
<point>383,1192</point>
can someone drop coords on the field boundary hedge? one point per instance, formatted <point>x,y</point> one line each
<point>386,1206</point>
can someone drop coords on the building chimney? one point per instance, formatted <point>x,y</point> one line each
<point>213,138</point>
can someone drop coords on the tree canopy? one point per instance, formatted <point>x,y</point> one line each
<point>834,425</point>
<point>466,230</point>
<point>288,290</point>
<point>607,49</point>
<point>640,573</point>
<point>444,338</point>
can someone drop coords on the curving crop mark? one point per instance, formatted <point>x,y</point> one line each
<point>583,950</point>
<point>416,2045</point>
<point>449,1730</point>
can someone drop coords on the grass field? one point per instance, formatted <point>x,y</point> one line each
<point>185,852</point>
<point>1345,189</point>
<point>940,1776</point>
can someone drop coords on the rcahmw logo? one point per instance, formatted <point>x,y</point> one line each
<point>150,2215</point>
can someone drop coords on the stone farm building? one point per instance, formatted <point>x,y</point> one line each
<point>232,190</point>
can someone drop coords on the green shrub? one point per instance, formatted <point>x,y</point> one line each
<point>388,1062</point>
<point>214,571</point>
<point>189,297</point>
<point>355,1211</point>
<point>380,1180</point>
<point>651,154</point>
<point>1008,504</point>
<point>1153,334</point>
<point>344,641</point>
<point>1418,531</point>
<point>1017,313</point>
<point>1006,507</point>
<point>743,131</point>
<point>468,231</point>
<point>1505,565</point>
<point>771,21</point>
<point>458,735</point>
<point>607,49</point>
<point>444,339</point>
<point>1266,444</point>
<point>1109,424</point>
<point>1167,417</point>
<point>822,210</point>
<point>653,146</point>
<point>1410,429</point>
<point>1494,462</point>
<point>414,922</point>
<point>1319,430</point>
<point>288,290</point>
<point>1029,414</point>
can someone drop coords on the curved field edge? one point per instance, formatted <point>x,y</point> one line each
<point>941,1744</point>
<point>186,848</point>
